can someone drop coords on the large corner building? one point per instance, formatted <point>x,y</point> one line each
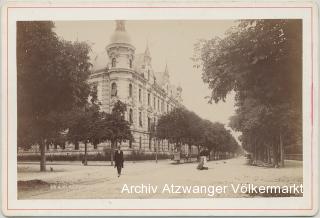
<point>122,74</point>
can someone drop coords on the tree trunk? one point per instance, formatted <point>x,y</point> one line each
<point>198,155</point>
<point>43,156</point>
<point>281,151</point>
<point>113,144</point>
<point>157,148</point>
<point>85,161</point>
<point>275,155</point>
<point>76,146</point>
<point>269,155</point>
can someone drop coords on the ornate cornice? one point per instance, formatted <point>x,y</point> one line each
<point>120,45</point>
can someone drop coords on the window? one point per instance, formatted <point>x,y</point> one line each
<point>154,102</point>
<point>130,116</point>
<point>113,63</point>
<point>140,119</point>
<point>162,106</point>
<point>130,143</point>
<point>139,95</point>
<point>149,122</point>
<point>130,63</point>
<point>113,89</point>
<point>158,104</point>
<point>149,99</point>
<point>150,143</point>
<point>148,74</point>
<point>167,108</point>
<point>130,90</point>
<point>140,142</point>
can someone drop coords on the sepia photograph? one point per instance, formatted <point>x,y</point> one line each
<point>159,109</point>
<point>162,109</point>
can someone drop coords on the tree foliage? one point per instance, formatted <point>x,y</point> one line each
<point>51,80</point>
<point>261,60</point>
<point>181,126</point>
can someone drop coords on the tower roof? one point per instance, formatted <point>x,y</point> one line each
<point>166,71</point>
<point>120,35</point>
<point>147,51</point>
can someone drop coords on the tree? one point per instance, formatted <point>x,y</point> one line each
<point>261,60</point>
<point>51,80</point>
<point>82,125</point>
<point>172,126</point>
<point>185,127</point>
<point>115,128</point>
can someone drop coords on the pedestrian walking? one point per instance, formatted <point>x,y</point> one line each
<point>203,160</point>
<point>118,160</point>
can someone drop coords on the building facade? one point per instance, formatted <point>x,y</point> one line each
<point>122,74</point>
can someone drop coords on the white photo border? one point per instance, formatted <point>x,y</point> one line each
<point>306,205</point>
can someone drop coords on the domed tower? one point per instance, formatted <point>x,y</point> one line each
<point>120,50</point>
<point>121,55</point>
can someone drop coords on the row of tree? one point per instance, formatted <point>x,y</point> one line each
<point>53,93</point>
<point>183,127</point>
<point>56,105</point>
<point>261,61</point>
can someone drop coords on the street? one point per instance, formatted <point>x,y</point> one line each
<point>98,180</point>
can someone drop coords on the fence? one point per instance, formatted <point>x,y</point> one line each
<point>93,155</point>
<point>294,157</point>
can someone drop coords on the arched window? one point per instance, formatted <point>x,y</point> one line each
<point>130,116</point>
<point>130,63</point>
<point>140,119</point>
<point>113,89</point>
<point>149,99</point>
<point>148,74</point>
<point>113,63</point>
<point>139,95</point>
<point>130,90</point>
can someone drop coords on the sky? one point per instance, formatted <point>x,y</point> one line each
<point>170,42</point>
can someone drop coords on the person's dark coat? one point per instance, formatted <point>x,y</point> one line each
<point>202,153</point>
<point>118,158</point>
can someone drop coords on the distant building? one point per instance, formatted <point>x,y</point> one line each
<point>121,74</point>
